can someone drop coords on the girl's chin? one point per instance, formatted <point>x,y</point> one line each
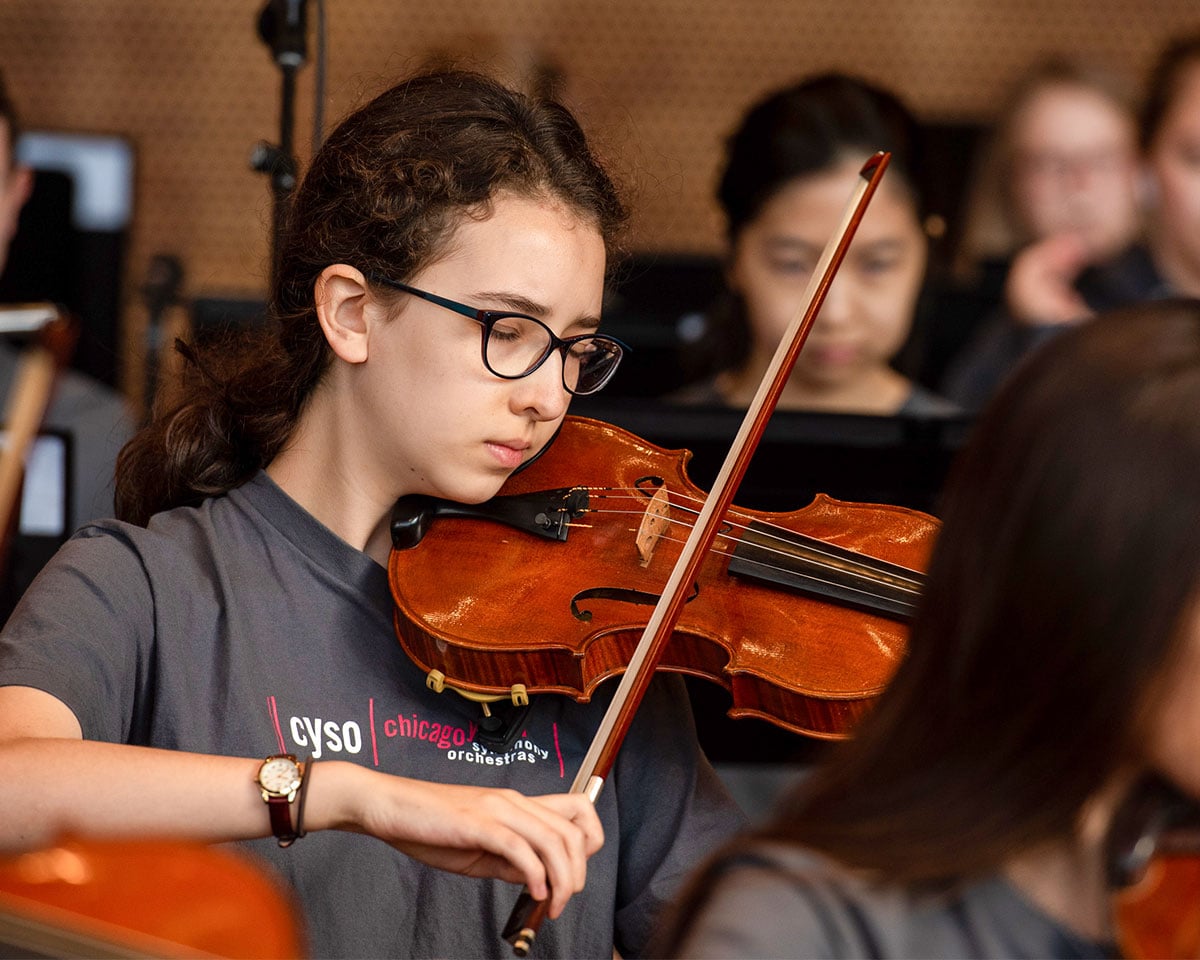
<point>823,378</point>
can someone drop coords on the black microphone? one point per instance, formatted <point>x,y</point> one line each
<point>283,26</point>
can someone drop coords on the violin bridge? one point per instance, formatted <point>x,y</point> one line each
<point>654,524</point>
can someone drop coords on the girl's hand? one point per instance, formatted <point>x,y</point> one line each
<point>543,842</point>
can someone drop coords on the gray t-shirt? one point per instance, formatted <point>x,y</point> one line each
<point>245,627</point>
<point>777,901</point>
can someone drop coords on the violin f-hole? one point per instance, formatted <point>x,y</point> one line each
<point>641,483</point>
<point>621,594</point>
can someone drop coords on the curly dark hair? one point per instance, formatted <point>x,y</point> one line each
<point>383,194</point>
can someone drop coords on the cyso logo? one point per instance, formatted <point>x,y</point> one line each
<point>324,735</point>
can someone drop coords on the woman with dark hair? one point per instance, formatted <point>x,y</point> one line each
<point>1060,161</point>
<point>790,168</point>
<point>1052,665</point>
<point>436,307</point>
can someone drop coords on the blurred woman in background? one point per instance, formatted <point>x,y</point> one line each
<point>790,168</point>
<point>1056,195</point>
<point>1171,142</point>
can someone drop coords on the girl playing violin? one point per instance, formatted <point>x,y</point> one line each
<point>436,306</point>
<point>1053,662</point>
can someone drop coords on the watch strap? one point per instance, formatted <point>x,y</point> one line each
<point>281,820</point>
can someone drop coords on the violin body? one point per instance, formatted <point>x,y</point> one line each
<point>490,607</point>
<point>1153,867</point>
<point>1159,917</point>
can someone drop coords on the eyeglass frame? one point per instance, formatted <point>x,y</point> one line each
<point>489,318</point>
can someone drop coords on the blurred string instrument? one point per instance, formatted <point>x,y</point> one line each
<point>1153,864</point>
<point>142,898</point>
<point>51,336</point>
<point>801,616</point>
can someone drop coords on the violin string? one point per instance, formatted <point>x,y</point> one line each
<point>833,562</point>
<point>762,564</point>
<point>787,538</point>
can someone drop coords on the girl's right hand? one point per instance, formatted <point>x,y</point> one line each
<point>543,841</point>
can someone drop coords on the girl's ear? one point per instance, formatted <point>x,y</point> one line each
<point>345,310</point>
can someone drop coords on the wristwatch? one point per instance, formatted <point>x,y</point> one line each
<point>279,778</point>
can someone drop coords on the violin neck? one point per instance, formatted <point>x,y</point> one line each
<point>813,568</point>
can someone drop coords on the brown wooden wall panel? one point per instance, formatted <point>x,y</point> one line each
<point>659,82</point>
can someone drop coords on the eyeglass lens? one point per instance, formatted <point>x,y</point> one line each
<point>516,345</point>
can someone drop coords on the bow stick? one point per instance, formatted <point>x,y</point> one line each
<point>528,914</point>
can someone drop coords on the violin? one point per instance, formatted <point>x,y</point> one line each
<point>801,616</point>
<point>1153,865</point>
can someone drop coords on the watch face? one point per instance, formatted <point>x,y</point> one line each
<point>279,775</point>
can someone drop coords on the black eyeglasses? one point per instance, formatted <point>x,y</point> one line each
<point>514,345</point>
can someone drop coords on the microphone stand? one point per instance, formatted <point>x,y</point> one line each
<point>282,25</point>
<point>160,291</point>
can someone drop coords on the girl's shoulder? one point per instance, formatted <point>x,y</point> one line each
<point>181,546</point>
<point>775,900</point>
<point>923,402</point>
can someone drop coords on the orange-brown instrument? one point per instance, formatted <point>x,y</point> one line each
<point>143,898</point>
<point>1153,861</point>
<point>801,616</point>
<point>53,338</point>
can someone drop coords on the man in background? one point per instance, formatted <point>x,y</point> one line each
<point>96,417</point>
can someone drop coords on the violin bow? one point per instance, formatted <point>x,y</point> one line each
<point>528,914</point>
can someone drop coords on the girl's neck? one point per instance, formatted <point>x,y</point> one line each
<point>1066,878</point>
<point>319,472</point>
<point>879,390</point>
<point>1067,882</point>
